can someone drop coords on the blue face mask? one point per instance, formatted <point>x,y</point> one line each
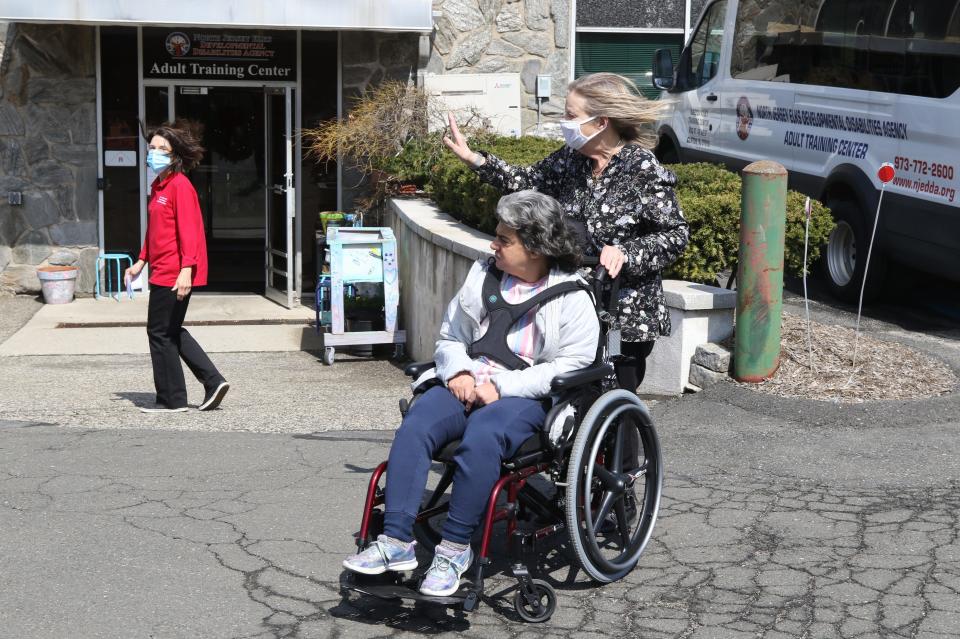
<point>157,160</point>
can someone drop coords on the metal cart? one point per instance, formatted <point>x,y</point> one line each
<point>359,255</point>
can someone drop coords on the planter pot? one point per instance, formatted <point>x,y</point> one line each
<point>361,325</point>
<point>58,283</point>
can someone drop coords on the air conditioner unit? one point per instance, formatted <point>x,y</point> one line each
<point>493,96</point>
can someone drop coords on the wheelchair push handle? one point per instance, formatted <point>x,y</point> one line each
<point>600,272</point>
<point>601,278</point>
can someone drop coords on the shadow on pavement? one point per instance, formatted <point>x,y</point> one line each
<point>422,618</point>
<point>135,398</point>
<point>912,300</point>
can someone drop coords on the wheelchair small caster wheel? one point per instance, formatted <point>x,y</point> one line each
<point>328,353</point>
<point>537,603</point>
<point>471,601</point>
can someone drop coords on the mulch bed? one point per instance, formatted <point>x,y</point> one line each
<point>884,370</point>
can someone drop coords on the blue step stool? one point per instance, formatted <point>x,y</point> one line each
<point>106,259</point>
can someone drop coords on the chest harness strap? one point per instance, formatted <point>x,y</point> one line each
<point>503,315</point>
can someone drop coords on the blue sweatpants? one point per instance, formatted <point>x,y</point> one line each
<point>489,434</point>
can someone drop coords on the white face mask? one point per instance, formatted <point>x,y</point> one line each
<point>572,134</point>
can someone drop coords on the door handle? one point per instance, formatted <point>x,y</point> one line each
<point>712,97</point>
<point>278,189</point>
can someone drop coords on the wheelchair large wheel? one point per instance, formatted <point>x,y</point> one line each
<point>605,535</point>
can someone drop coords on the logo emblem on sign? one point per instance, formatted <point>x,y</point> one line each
<point>178,44</point>
<point>744,118</point>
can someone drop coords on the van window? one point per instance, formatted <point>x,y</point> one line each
<point>909,47</point>
<point>702,59</point>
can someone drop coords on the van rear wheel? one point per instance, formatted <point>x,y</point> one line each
<point>666,152</point>
<point>844,259</point>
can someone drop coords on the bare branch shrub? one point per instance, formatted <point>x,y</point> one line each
<point>380,121</point>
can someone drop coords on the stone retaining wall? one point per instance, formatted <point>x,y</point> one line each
<point>48,153</point>
<point>435,252</point>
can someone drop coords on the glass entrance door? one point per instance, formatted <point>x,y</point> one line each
<point>244,182</point>
<point>281,200</point>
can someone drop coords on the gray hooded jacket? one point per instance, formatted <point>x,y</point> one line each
<point>568,323</point>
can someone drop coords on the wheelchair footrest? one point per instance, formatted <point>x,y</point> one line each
<point>390,587</point>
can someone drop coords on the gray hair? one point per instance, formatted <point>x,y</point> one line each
<point>538,221</point>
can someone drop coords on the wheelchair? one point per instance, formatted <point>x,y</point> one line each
<point>606,509</point>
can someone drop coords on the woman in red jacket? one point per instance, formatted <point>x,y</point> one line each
<point>176,249</point>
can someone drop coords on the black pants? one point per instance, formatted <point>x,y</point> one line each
<point>169,341</point>
<point>633,366</point>
<point>630,371</point>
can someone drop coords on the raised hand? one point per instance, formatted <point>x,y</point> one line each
<point>458,144</point>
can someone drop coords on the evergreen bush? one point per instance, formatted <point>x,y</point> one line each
<point>709,196</point>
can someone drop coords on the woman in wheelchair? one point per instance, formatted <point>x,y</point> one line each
<point>489,393</point>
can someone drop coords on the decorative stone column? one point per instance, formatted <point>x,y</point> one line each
<point>48,153</point>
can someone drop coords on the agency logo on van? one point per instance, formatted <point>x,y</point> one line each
<point>178,44</point>
<point>744,118</point>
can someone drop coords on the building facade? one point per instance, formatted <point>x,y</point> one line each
<point>78,87</point>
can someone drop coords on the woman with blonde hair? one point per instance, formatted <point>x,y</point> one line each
<point>607,180</point>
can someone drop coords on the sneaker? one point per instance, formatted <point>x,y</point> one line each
<point>213,397</point>
<point>161,408</point>
<point>381,556</point>
<point>443,577</point>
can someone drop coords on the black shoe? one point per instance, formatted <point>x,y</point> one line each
<point>609,524</point>
<point>213,397</point>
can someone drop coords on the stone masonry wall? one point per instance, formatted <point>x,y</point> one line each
<point>48,153</point>
<point>529,37</point>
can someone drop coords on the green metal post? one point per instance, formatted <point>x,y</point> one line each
<point>763,216</point>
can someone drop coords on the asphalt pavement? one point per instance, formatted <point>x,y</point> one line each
<point>780,517</point>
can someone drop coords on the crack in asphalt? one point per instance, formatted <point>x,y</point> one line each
<point>771,559</point>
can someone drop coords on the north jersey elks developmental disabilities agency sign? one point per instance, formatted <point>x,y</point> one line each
<point>219,54</point>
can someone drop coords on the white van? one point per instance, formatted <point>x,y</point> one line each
<point>832,89</point>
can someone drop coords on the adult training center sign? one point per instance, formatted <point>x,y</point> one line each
<point>219,54</point>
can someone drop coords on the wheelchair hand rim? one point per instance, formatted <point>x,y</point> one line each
<point>594,429</point>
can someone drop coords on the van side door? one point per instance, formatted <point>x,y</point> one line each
<point>697,87</point>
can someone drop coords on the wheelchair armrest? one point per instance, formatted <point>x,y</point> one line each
<point>417,369</point>
<point>569,380</point>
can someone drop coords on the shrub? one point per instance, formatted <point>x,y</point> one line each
<point>709,196</point>
<point>381,121</point>
<point>456,189</point>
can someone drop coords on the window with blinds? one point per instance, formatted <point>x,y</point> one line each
<point>628,54</point>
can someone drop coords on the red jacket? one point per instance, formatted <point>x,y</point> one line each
<point>175,236</point>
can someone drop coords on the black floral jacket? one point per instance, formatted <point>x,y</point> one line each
<point>630,205</point>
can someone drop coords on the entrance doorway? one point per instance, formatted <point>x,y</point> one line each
<point>245,181</point>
